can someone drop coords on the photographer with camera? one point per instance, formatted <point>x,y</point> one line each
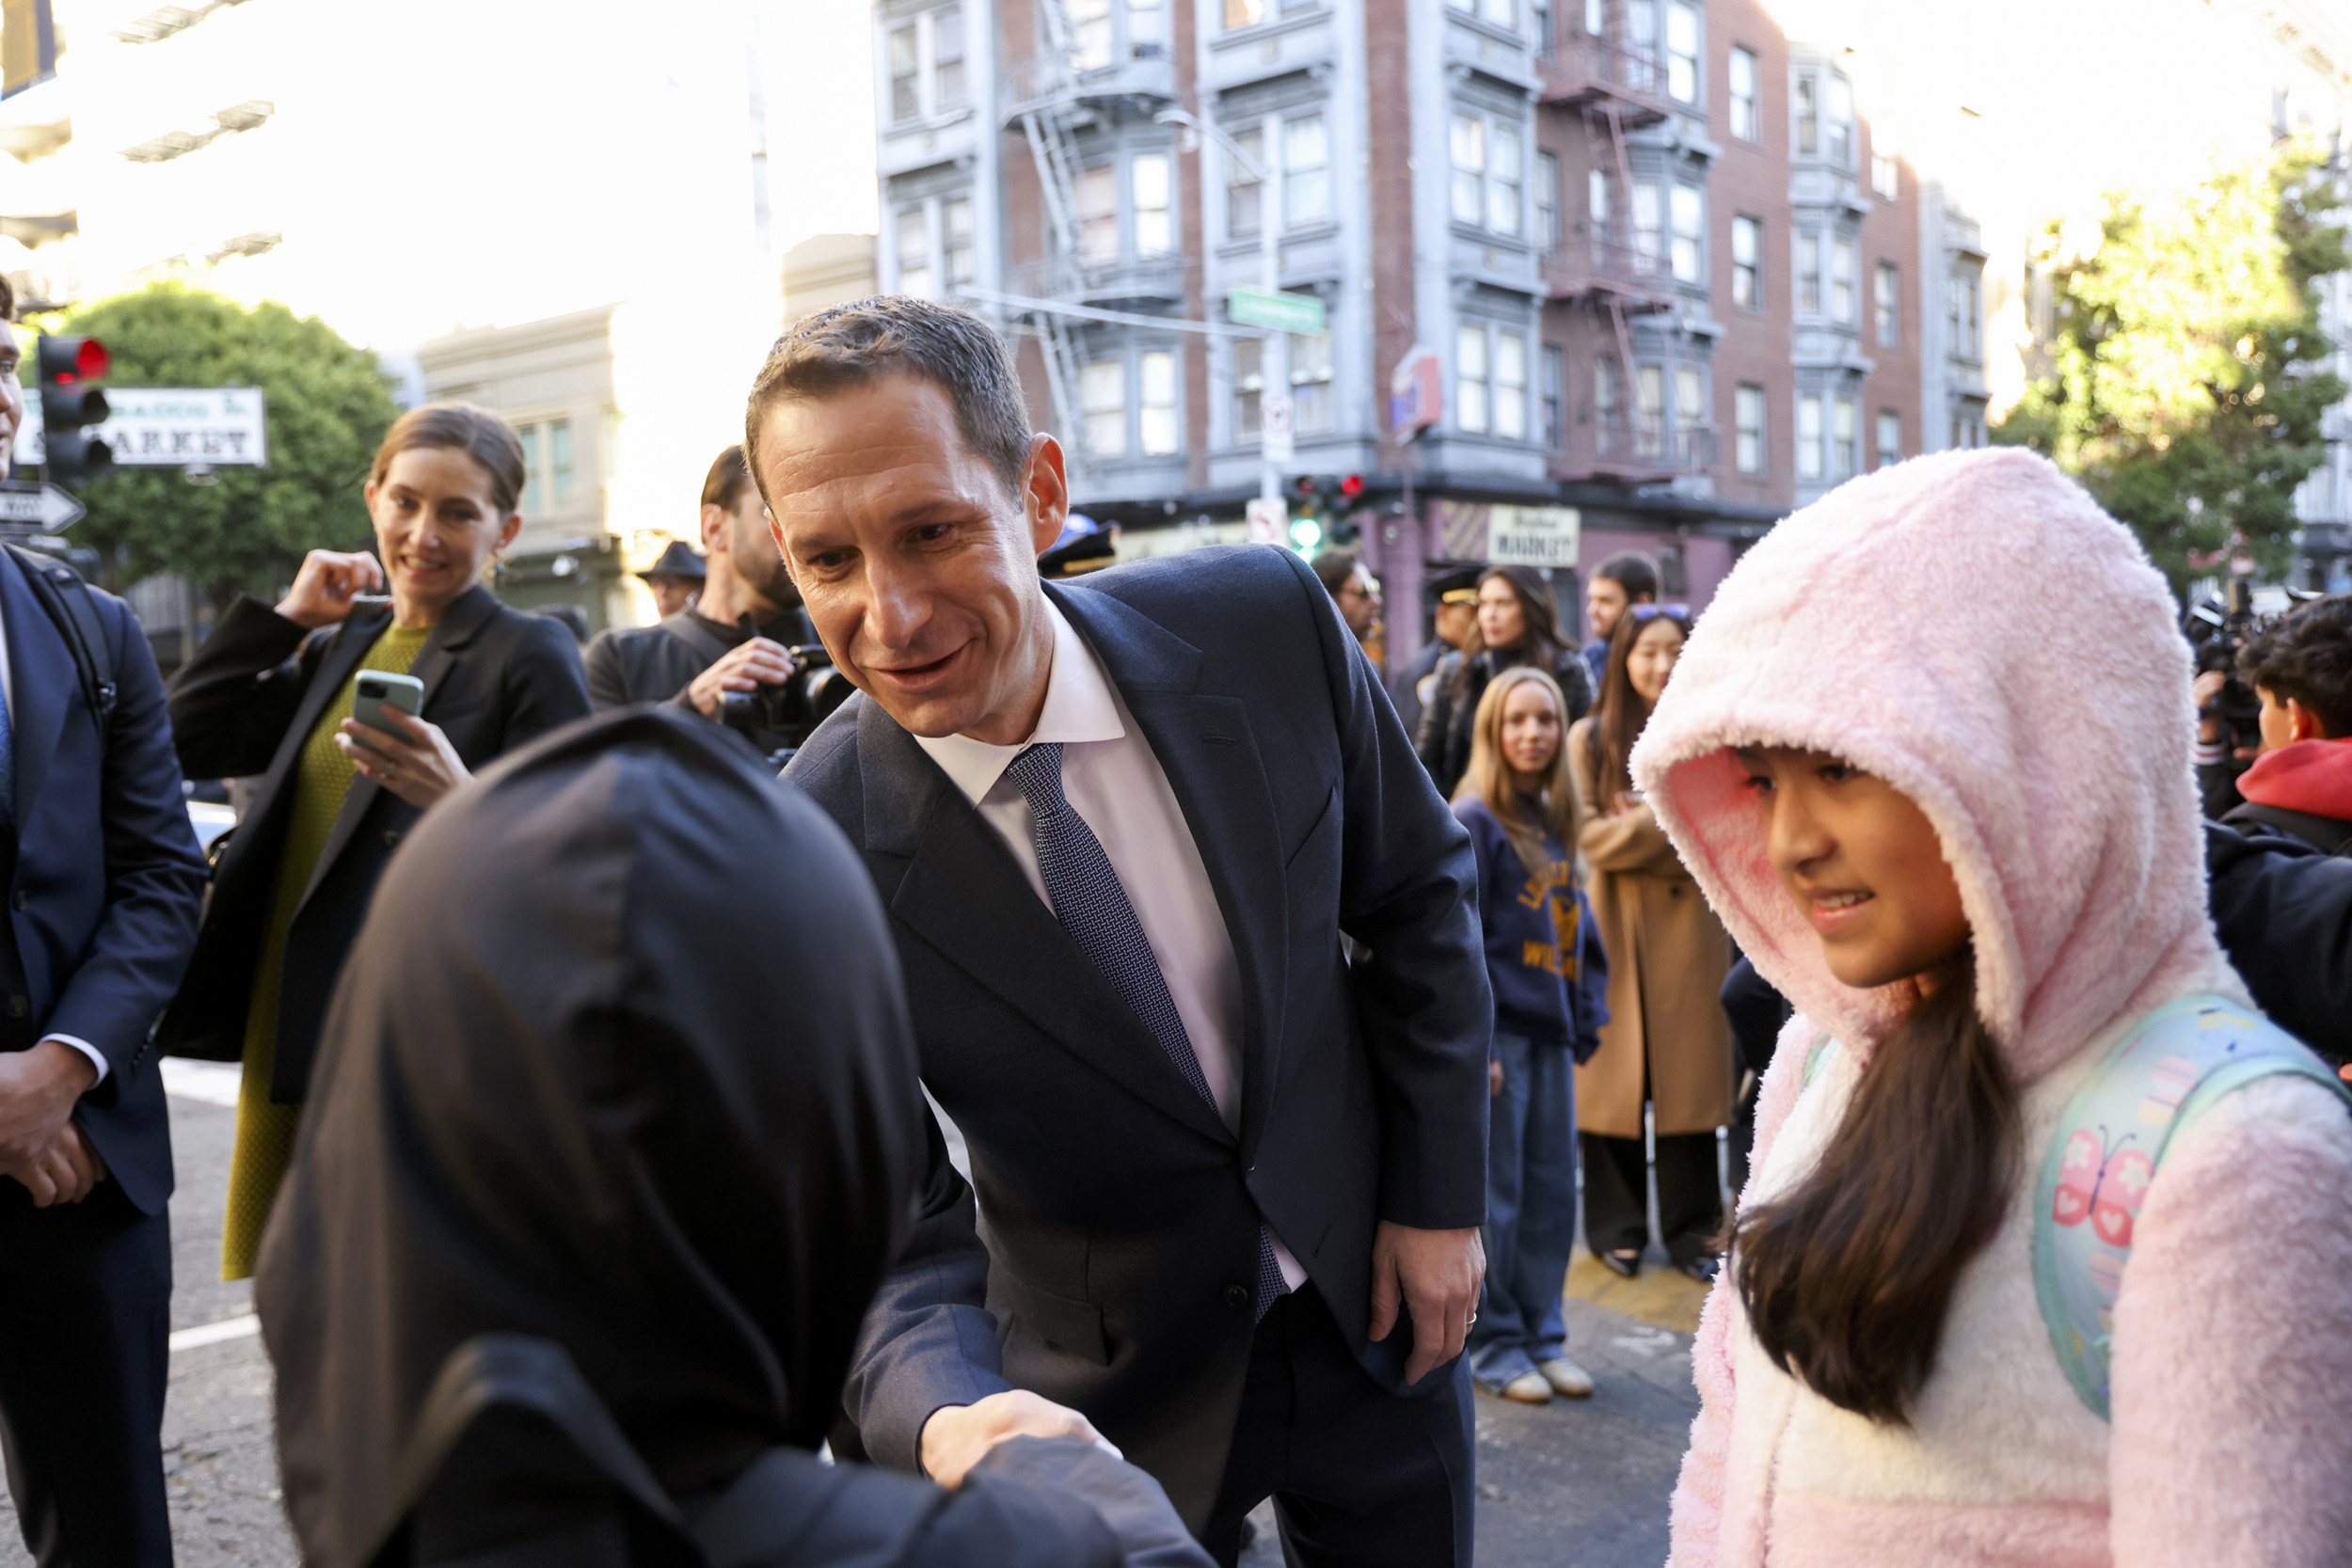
<point>744,653</point>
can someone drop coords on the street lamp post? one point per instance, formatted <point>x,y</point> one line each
<point>1273,354</point>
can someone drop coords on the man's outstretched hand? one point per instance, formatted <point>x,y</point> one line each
<point>1435,1275</point>
<point>957,1435</point>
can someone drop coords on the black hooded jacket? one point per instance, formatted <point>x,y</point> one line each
<point>620,1069</point>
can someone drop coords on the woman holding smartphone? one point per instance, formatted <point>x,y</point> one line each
<point>272,692</point>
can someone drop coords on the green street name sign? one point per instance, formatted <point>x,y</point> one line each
<point>1267,308</point>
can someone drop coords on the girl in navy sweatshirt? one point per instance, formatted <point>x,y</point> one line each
<point>1544,959</point>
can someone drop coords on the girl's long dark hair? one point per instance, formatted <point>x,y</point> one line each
<point>1846,1279</point>
<point>1620,712</point>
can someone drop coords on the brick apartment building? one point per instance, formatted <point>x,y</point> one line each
<point>1672,280</point>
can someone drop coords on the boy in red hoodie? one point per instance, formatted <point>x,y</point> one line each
<point>2302,784</point>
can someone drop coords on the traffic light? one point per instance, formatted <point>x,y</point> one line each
<point>1328,499</point>
<point>69,407</point>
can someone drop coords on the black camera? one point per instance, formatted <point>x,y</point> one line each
<point>777,718</point>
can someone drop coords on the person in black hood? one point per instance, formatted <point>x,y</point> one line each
<point>614,1132</point>
<point>1518,623</point>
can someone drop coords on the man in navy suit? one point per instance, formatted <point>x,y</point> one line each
<point>1228,1183</point>
<point>105,885</point>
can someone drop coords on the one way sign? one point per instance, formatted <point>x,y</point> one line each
<point>42,506</point>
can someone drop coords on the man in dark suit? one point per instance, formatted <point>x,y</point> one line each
<point>105,883</point>
<point>1230,1184</point>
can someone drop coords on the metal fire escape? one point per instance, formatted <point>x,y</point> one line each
<point>1083,71</point>
<point>1617,87</point>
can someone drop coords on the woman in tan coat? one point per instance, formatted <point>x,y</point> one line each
<point>1667,1042</point>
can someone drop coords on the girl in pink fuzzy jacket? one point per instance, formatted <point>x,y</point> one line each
<point>1961,834</point>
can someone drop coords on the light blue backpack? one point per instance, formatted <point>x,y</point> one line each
<point>2172,1067</point>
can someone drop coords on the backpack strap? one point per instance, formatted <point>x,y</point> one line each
<point>683,626</point>
<point>65,598</point>
<point>2168,1070</point>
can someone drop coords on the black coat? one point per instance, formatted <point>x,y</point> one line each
<point>2284,911</point>
<point>617,1130</point>
<point>1451,719</point>
<point>246,704</point>
<point>656,663</point>
<point>104,878</point>
<point>1118,1270</point>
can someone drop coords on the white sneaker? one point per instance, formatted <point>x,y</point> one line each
<point>1528,1389</point>
<point>1566,1377</point>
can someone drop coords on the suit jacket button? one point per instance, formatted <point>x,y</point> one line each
<point>1237,1296</point>
<point>19,1006</point>
<point>391,837</point>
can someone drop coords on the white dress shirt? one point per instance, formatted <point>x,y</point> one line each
<point>7,695</point>
<point>1113,781</point>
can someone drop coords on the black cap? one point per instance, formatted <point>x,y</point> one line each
<point>1443,587</point>
<point>678,561</point>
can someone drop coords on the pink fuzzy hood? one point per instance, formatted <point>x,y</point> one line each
<point>1972,628</point>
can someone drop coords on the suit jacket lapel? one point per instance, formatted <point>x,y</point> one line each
<point>965,896</point>
<point>41,680</point>
<point>434,663</point>
<point>1204,745</point>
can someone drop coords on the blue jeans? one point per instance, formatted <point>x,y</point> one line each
<point>1530,1211</point>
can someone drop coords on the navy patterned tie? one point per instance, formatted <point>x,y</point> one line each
<point>1094,910</point>
<point>8,763</point>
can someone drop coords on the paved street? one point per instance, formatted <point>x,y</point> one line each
<point>1572,1485</point>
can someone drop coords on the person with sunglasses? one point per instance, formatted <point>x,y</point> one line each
<point>1667,1045</point>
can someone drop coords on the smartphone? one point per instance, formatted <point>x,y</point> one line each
<point>377,692</point>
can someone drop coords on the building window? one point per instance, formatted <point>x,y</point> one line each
<point>1306,172</point>
<point>1156,407</point>
<point>914,252</point>
<point>956,249</point>
<point>947,59</point>
<point>1747,123</point>
<point>1841,279</point>
<point>1245,193</point>
<point>1690,405</point>
<point>1249,382</point>
<point>1682,52</point>
<point>1510,385</point>
<point>1884,178</point>
<point>1641,27</point>
<point>1808,438</point>
<point>1098,214</point>
<point>1469,169</point>
<point>1090,33</point>
<point>1314,409</point>
<point>1502,182</point>
<point>1596,200</point>
<point>1502,13</point>
<point>1747,266</point>
<point>1147,28</point>
<point>1148,188</point>
<point>1808,115</point>
<point>1747,414</point>
<point>906,86</point>
<point>1539,25</point>
<point>1890,438</point>
<point>1244,13</point>
<point>1469,379</point>
<point>1547,200</point>
<point>1965,327</point>
<point>1690,216</point>
<point>1649,409</point>
<point>534,471</point>
<point>1808,275</point>
<point>1843,430</point>
<point>1838,119</point>
<point>1103,393</point>
<point>1556,396</point>
<point>1648,220</point>
<point>1889,304</point>
<point>560,458</point>
<point>1595,17</point>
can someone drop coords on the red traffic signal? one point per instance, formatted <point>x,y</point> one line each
<point>66,361</point>
<point>1352,486</point>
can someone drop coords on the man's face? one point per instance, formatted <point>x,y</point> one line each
<point>1359,599</point>
<point>917,564</point>
<point>752,554</point>
<point>1604,601</point>
<point>11,397</point>
<point>1456,621</point>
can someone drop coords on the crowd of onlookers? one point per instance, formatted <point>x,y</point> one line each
<point>1630,1036</point>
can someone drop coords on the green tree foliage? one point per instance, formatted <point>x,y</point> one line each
<point>2183,387</point>
<point>328,406</point>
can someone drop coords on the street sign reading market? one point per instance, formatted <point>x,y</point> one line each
<point>1272,309</point>
<point>161,427</point>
